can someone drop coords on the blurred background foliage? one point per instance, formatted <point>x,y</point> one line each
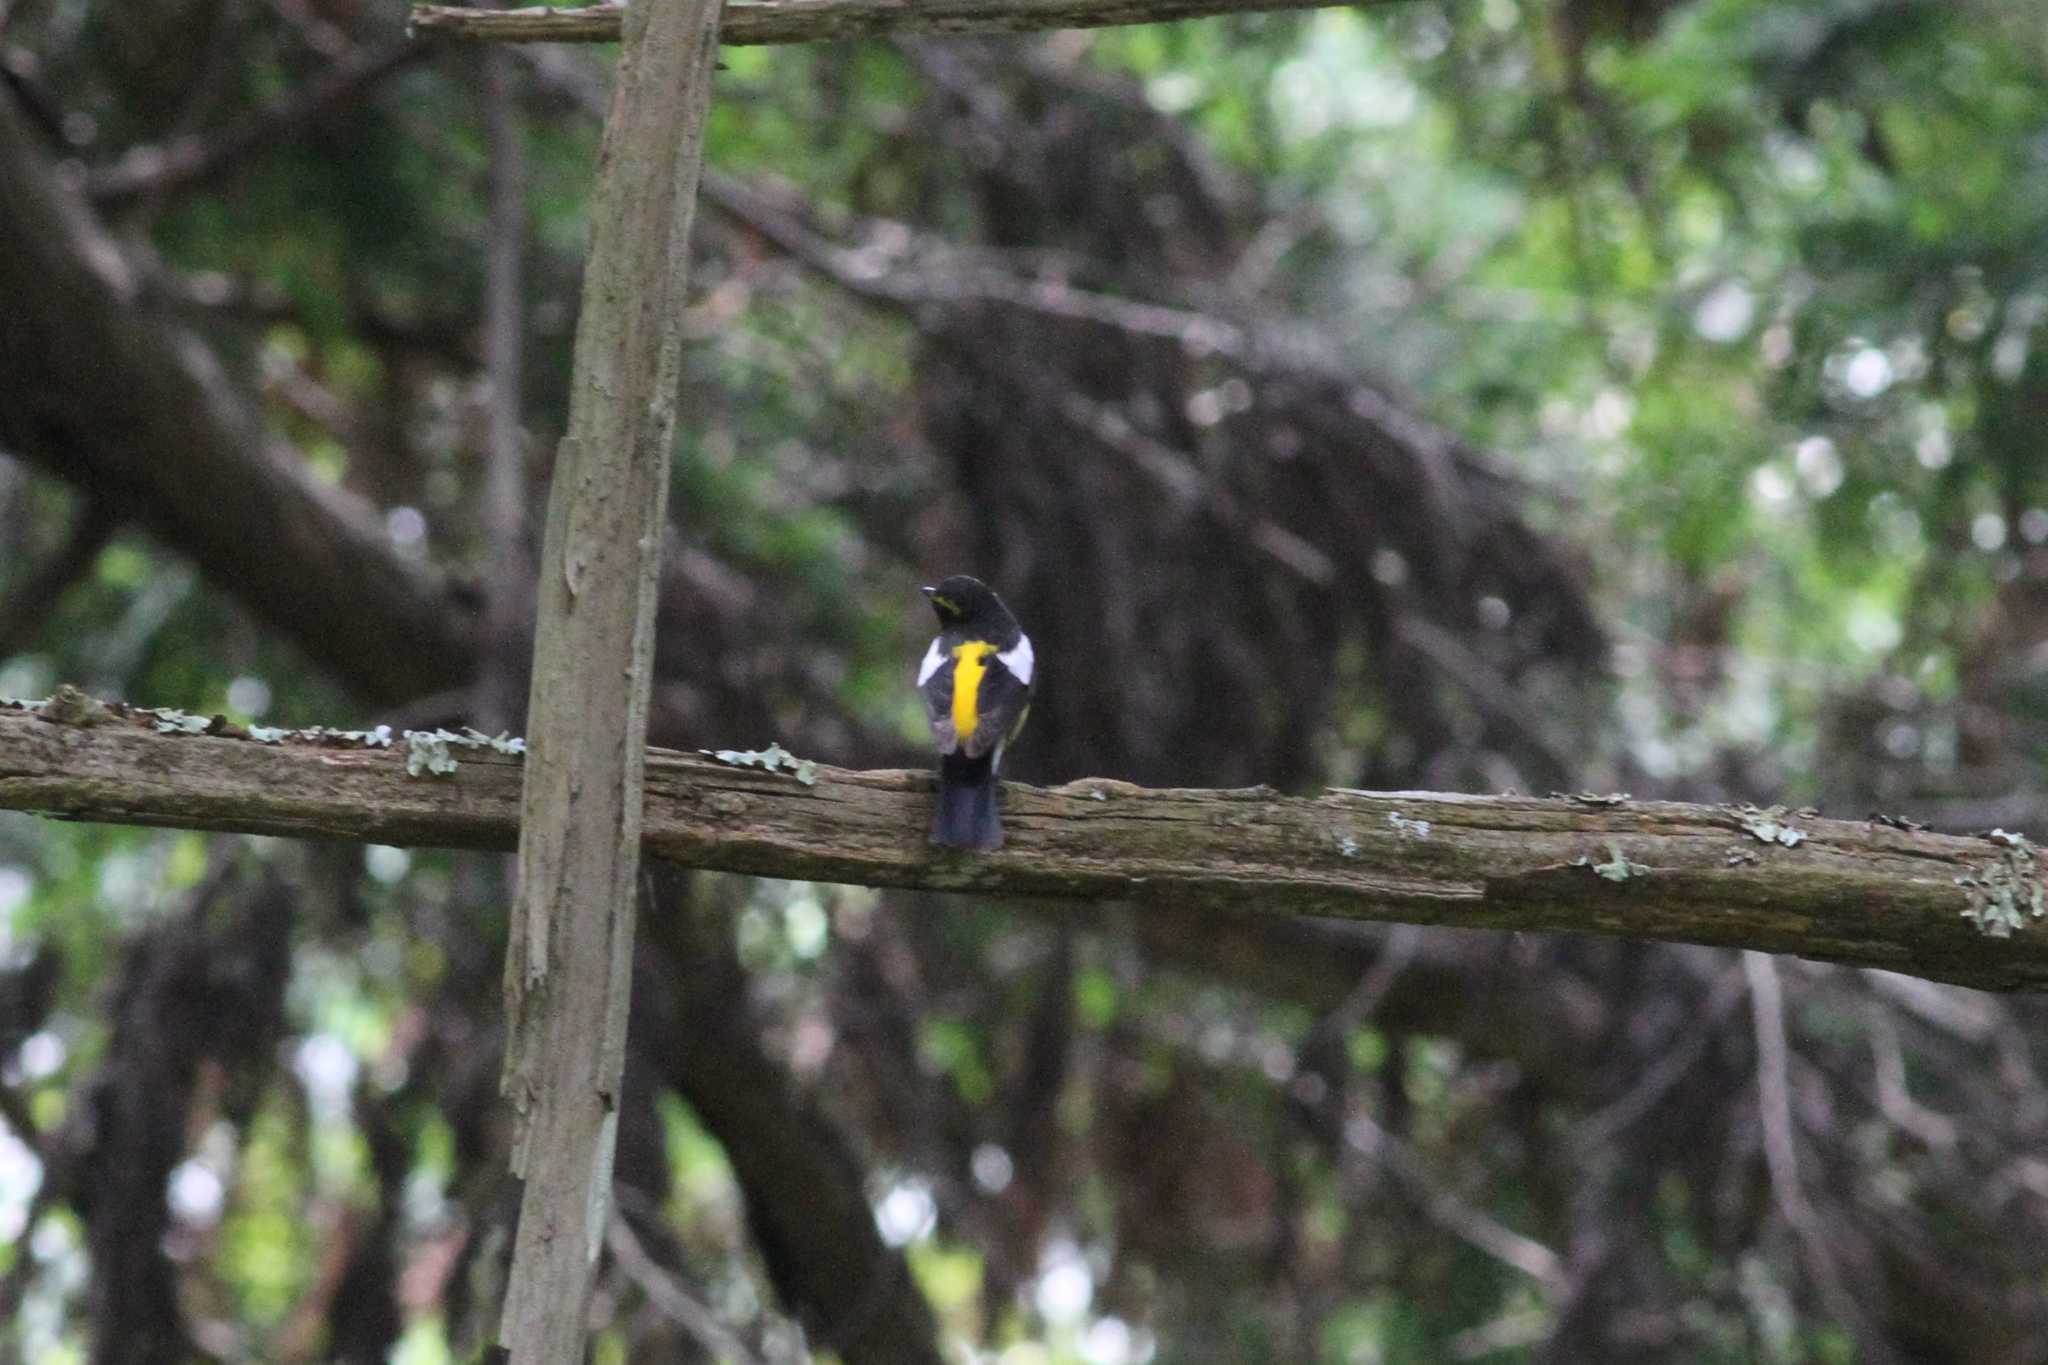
<point>1486,394</point>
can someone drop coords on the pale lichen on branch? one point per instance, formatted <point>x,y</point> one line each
<point>2007,893</point>
<point>428,752</point>
<point>1865,893</point>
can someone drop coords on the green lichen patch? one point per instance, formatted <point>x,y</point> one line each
<point>1409,829</point>
<point>774,758</point>
<point>1594,798</point>
<point>2007,893</point>
<point>1771,826</point>
<point>1617,868</point>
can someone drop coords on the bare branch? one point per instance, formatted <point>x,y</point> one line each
<point>1495,696</point>
<point>1853,892</point>
<point>1444,1208</point>
<point>905,269</point>
<point>1970,1018</point>
<point>1781,1150</point>
<point>192,160</point>
<point>1937,1131</point>
<point>668,1294</point>
<point>1669,1067</point>
<point>749,23</point>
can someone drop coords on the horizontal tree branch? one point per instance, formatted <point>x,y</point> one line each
<point>1861,893</point>
<point>752,23</point>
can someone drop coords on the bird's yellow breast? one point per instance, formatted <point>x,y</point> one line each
<point>970,664</point>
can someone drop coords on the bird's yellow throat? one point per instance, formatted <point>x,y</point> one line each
<point>970,664</point>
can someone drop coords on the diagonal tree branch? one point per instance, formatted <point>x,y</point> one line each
<point>193,160</point>
<point>759,22</point>
<point>31,603</point>
<point>804,1181</point>
<point>1862,893</point>
<point>130,407</point>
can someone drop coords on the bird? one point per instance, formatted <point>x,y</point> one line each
<point>976,684</point>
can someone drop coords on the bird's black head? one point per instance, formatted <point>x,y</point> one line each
<point>962,601</point>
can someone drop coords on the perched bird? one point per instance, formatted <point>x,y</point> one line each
<point>976,684</point>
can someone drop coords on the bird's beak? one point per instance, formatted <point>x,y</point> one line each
<point>928,590</point>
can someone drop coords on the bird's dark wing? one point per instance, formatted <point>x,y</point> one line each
<point>935,685</point>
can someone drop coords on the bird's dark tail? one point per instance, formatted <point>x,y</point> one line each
<point>965,814</point>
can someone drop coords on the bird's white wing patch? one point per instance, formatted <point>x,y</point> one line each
<point>934,659</point>
<point>1017,658</point>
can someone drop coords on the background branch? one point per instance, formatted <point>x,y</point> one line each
<point>759,22</point>
<point>193,160</point>
<point>82,361</point>
<point>32,603</point>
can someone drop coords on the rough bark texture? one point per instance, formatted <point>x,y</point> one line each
<point>1850,891</point>
<point>568,968</point>
<point>760,22</point>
